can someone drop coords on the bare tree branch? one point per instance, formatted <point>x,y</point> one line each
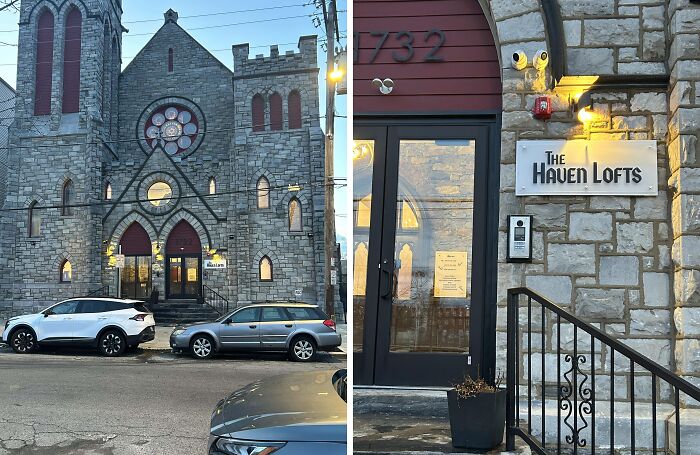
<point>5,4</point>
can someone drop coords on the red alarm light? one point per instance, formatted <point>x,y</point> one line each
<point>542,108</point>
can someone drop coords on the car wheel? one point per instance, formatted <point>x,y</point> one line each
<point>112,343</point>
<point>23,341</point>
<point>303,349</point>
<point>202,347</point>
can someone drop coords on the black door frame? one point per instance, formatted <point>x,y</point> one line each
<point>168,293</point>
<point>482,350</point>
<point>133,285</point>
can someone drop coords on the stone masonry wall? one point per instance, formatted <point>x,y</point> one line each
<point>606,259</point>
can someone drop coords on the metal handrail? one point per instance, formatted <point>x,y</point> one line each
<point>100,292</point>
<point>215,300</point>
<point>583,396</point>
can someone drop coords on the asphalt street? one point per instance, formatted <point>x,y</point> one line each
<point>148,402</point>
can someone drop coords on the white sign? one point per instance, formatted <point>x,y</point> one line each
<point>580,167</point>
<point>121,260</point>
<point>215,263</point>
<point>334,277</point>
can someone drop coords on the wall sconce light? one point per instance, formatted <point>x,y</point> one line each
<point>385,86</point>
<point>583,107</point>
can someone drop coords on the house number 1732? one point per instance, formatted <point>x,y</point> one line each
<point>406,52</point>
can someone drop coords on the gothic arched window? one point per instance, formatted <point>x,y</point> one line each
<point>258,108</point>
<point>263,190</point>
<point>108,192</point>
<point>44,64</point>
<point>212,185</point>
<point>275,112</point>
<point>265,269</point>
<point>71,62</point>
<point>295,215</point>
<point>171,63</point>
<point>67,198</point>
<point>66,272</point>
<point>294,110</point>
<point>34,220</point>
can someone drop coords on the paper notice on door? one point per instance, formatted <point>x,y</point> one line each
<point>191,275</point>
<point>451,274</point>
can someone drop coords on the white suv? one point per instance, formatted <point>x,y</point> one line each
<point>111,325</point>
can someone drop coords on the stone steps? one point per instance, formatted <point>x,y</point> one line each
<point>182,311</point>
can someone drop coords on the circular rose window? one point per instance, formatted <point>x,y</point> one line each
<point>176,127</point>
<point>158,193</point>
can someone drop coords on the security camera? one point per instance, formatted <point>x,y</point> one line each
<point>518,60</point>
<point>388,83</point>
<point>377,83</point>
<point>540,60</point>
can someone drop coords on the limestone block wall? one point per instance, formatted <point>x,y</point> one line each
<point>613,261</point>
<point>684,181</point>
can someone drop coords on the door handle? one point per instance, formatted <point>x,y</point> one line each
<point>253,326</point>
<point>289,325</point>
<point>390,278</point>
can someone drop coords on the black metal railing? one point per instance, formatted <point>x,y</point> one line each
<point>571,369</point>
<point>214,300</point>
<point>99,292</point>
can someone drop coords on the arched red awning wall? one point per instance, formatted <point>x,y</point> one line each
<point>440,54</point>
<point>135,241</point>
<point>183,239</point>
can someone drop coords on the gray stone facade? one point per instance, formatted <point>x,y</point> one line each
<point>106,144</point>
<point>630,265</point>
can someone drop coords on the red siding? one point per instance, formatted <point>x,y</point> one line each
<point>275,112</point>
<point>71,62</point>
<point>44,64</point>
<point>135,241</point>
<point>258,113</point>
<point>183,239</point>
<point>294,108</point>
<point>467,78</point>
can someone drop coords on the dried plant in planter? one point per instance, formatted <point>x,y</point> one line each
<point>472,387</point>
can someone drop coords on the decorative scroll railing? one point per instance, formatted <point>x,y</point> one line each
<point>572,388</point>
<point>214,300</point>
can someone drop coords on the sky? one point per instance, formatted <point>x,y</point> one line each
<point>285,22</point>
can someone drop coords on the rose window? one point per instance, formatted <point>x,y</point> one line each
<point>174,127</point>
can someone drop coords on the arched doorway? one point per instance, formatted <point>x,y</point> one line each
<point>183,262</point>
<point>425,173</point>
<point>135,278</point>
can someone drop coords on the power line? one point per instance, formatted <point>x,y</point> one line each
<point>295,185</point>
<point>221,13</point>
<point>139,138</point>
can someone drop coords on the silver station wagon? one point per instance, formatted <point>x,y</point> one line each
<point>301,329</point>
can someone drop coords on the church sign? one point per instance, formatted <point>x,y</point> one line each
<point>215,264</point>
<point>581,167</point>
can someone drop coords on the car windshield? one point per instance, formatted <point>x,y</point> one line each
<point>340,383</point>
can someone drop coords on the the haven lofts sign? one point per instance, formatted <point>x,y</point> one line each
<point>580,167</point>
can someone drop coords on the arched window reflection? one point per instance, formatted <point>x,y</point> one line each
<point>403,286</point>
<point>359,284</point>
<point>364,210</point>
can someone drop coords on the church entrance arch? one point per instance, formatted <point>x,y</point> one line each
<point>183,262</point>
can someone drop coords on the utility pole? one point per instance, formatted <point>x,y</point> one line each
<point>330,19</point>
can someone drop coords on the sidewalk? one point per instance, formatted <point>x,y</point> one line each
<point>406,422</point>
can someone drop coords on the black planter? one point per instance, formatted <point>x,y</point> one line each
<point>477,422</point>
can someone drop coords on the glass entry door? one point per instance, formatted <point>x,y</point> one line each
<point>184,280</point>
<point>419,253</point>
<point>136,277</point>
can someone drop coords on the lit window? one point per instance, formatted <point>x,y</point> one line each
<point>265,269</point>
<point>66,272</point>
<point>67,198</point>
<point>158,193</point>
<point>364,209</point>
<point>359,278</point>
<point>403,288</point>
<point>263,188</point>
<point>34,220</point>
<point>409,219</point>
<point>212,185</point>
<point>108,192</point>
<point>295,215</point>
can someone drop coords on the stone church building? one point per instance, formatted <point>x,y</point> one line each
<point>173,175</point>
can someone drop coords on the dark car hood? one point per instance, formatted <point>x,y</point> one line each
<point>294,407</point>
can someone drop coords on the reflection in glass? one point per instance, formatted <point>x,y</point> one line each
<point>263,188</point>
<point>265,269</point>
<point>66,272</point>
<point>295,215</point>
<point>363,157</point>
<point>430,309</point>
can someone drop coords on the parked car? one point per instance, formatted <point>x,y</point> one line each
<point>110,325</point>
<point>301,329</point>
<point>296,414</point>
